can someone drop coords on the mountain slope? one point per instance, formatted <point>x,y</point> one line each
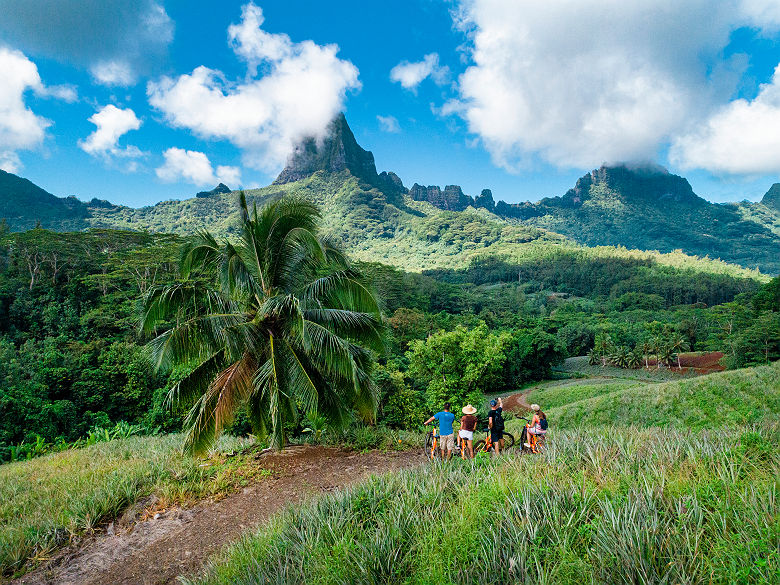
<point>23,205</point>
<point>653,209</point>
<point>427,227</point>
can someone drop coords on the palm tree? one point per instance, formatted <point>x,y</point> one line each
<point>635,359</point>
<point>679,344</point>
<point>646,348</point>
<point>277,322</point>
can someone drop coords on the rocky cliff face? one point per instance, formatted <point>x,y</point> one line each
<point>650,183</point>
<point>452,198</point>
<point>485,200</point>
<point>772,197</point>
<point>339,151</point>
<point>218,190</point>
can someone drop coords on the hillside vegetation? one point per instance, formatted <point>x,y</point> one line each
<point>393,229</point>
<point>741,397</point>
<point>49,501</point>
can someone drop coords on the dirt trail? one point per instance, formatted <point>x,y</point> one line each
<point>179,541</point>
<point>517,402</point>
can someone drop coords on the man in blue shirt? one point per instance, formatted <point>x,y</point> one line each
<point>447,435</point>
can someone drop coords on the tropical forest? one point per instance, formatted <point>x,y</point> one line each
<point>341,377</point>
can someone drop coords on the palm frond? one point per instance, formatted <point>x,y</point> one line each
<point>215,409</point>
<point>341,290</point>
<point>364,328</point>
<point>195,384</point>
<point>201,252</point>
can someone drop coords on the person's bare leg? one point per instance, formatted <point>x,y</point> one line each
<point>471,448</point>
<point>449,454</point>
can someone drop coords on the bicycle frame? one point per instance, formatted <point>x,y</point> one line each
<point>434,442</point>
<point>529,438</point>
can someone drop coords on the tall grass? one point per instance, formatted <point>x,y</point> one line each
<point>48,501</point>
<point>613,506</point>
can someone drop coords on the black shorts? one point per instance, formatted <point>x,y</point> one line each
<point>496,436</point>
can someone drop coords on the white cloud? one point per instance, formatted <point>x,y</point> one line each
<point>113,73</point>
<point>112,123</point>
<point>582,82</point>
<point>66,92</point>
<point>253,44</point>
<point>91,33</point>
<point>303,88</point>
<point>194,167</point>
<point>740,138</point>
<point>389,124</point>
<point>410,75</point>
<point>20,128</point>
<point>10,162</point>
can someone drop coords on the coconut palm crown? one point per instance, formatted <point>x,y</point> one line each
<point>277,322</point>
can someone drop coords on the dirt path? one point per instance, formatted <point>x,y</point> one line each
<point>179,541</point>
<point>517,402</point>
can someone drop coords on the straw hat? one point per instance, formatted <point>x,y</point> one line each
<point>535,407</point>
<point>468,409</point>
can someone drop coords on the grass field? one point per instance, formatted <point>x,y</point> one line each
<point>48,501</point>
<point>736,397</point>
<point>623,506</point>
<point>614,499</point>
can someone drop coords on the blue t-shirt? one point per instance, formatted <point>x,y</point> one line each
<point>445,422</point>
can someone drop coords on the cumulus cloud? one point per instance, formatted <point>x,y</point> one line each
<point>113,73</point>
<point>302,88</point>
<point>580,83</point>
<point>389,124</point>
<point>112,123</point>
<point>20,127</point>
<point>410,75</point>
<point>194,167</point>
<point>740,138</point>
<point>90,33</point>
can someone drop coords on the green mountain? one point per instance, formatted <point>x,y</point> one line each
<point>24,205</point>
<point>379,219</point>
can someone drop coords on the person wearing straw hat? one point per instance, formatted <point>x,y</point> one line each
<point>468,424</point>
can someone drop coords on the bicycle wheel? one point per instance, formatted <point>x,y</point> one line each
<point>479,446</point>
<point>509,440</point>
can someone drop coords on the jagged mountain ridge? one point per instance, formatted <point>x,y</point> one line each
<point>635,207</point>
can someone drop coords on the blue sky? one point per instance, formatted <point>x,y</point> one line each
<point>522,97</point>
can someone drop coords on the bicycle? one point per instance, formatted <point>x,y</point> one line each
<point>486,444</point>
<point>431,449</point>
<point>536,442</point>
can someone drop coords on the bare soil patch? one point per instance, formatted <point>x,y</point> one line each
<point>150,545</point>
<point>698,363</point>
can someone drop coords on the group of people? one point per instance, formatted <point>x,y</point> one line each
<point>468,425</point>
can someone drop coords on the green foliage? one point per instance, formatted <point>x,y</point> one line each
<point>277,323</point>
<point>530,356</point>
<point>315,424</point>
<point>768,297</point>
<point>401,405</point>
<point>458,366</point>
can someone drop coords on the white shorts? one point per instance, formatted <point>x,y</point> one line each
<point>468,435</point>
